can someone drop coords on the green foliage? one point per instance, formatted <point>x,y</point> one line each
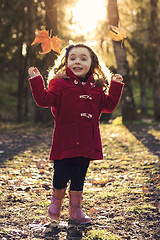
<point>141,209</point>
<point>11,31</point>
<point>149,97</point>
<point>8,97</point>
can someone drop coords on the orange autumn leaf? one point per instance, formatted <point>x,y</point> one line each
<point>117,34</point>
<point>101,181</point>
<point>41,171</point>
<point>47,43</point>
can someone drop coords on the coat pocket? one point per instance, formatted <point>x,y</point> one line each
<point>69,135</point>
<point>97,139</point>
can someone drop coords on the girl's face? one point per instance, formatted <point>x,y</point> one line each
<point>79,61</point>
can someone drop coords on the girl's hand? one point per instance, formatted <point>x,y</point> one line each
<point>117,78</point>
<point>33,72</point>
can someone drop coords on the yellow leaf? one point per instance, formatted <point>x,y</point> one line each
<point>117,34</point>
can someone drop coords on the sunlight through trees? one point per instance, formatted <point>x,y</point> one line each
<point>77,21</point>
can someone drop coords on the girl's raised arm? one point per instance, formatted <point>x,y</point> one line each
<point>42,96</point>
<point>33,72</point>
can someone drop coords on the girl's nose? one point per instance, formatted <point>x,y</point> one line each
<point>77,60</point>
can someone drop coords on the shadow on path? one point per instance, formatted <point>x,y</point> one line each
<point>144,135</point>
<point>59,230</point>
<point>16,141</point>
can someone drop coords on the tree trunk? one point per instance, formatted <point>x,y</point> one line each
<point>155,40</point>
<point>20,86</point>
<point>44,115</point>
<point>30,55</point>
<point>21,76</point>
<point>128,107</point>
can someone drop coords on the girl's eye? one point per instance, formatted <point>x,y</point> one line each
<point>83,59</point>
<point>72,59</point>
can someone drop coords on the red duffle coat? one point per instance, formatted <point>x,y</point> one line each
<point>77,110</point>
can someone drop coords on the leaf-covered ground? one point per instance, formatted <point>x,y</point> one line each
<point>121,193</point>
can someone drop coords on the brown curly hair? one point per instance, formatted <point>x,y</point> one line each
<point>99,76</point>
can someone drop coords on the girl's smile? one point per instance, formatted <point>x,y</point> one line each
<point>79,61</point>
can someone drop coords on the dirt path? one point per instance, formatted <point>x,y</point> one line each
<point>121,192</point>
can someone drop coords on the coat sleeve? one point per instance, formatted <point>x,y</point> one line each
<point>42,96</point>
<point>110,100</point>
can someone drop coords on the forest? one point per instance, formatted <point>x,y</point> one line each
<point>121,191</point>
<point>138,61</point>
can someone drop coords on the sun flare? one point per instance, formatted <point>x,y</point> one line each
<point>86,15</point>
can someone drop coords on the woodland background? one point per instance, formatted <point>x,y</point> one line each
<point>122,192</point>
<point>138,61</point>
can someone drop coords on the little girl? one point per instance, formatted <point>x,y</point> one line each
<point>77,99</point>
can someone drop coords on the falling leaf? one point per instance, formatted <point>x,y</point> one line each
<point>47,43</point>
<point>117,34</point>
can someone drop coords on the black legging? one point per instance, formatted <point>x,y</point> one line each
<point>73,169</point>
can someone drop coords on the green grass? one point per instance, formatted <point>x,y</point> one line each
<point>107,195</point>
<point>141,209</point>
<point>97,234</point>
<point>43,203</point>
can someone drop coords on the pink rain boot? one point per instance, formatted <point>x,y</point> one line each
<point>56,203</point>
<point>75,210</point>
